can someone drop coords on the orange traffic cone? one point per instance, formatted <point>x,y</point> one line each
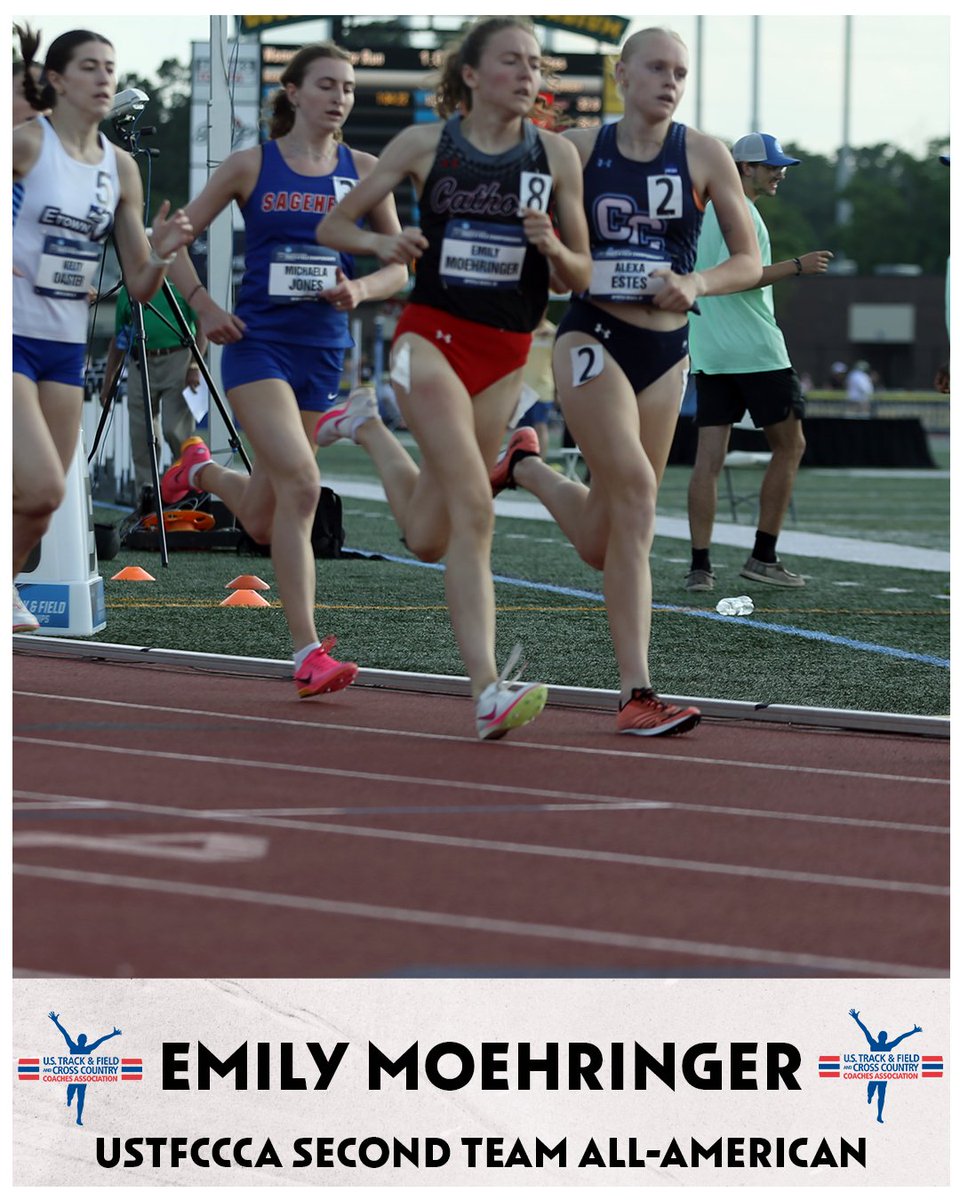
<point>134,574</point>
<point>252,582</point>
<point>244,598</point>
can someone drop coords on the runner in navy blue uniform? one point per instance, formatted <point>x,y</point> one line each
<point>490,186</point>
<point>72,187</point>
<point>620,359</point>
<point>285,344</point>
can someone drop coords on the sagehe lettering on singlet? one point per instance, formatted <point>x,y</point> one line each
<point>309,202</point>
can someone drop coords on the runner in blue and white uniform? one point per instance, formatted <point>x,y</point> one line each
<point>285,343</point>
<point>73,188</point>
<point>620,359</point>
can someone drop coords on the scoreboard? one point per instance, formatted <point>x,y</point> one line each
<point>395,89</point>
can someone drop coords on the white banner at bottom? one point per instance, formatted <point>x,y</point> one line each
<point>494,1082</point>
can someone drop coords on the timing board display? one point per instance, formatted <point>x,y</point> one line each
<point>394,89</point>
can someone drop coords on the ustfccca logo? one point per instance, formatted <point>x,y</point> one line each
<point>881,1063</point>
<point>79,1067</point>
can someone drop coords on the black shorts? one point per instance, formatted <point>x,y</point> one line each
<point>770,397</point>
<point>642,354</point>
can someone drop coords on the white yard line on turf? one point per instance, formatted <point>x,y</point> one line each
<point>805,545</point>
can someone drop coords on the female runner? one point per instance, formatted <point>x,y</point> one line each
<point>489,185</point>
<point>71,188</point>
<point>285,344</point>
<point>620,358</point>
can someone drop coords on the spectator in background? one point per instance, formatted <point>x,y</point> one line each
<point>741,364</point>
<point>860,390</point>
<point>838,376</point>
<point>171,367</point>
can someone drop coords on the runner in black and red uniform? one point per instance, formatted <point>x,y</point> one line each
<point>494,193</point>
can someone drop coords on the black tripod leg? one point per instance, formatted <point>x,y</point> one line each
<point>140,341</point>
<point>188,340</point>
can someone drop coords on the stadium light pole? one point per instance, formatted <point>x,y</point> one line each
<point>755,101</point>
<point>844,163</point>
<point>220,231</point>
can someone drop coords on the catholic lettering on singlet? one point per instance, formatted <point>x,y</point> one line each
<point>66,268</point>
<point>477,254</point>
<point>300,272</point>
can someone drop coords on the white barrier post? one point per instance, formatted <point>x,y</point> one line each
<point>62,586</point>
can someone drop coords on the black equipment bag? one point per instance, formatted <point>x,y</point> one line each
<point>327,534</point>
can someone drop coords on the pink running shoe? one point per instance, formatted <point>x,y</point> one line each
<point>523,444</point>
<point>320,673</point>
<point>175,483</point>
<point>345,419</point>
<point>646,715</point>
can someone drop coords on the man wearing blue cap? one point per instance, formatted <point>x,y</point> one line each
<point>741,364</point>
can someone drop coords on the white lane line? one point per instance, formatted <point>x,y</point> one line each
<point>611,857</point>
<point>510,747</point>
<point>480,924</point>
<point>184,847</point>
<point>46,800</point>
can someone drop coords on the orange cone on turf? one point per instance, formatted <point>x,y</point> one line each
<point>250,582</point>
<point>134,574</point>
<point>244,598</point>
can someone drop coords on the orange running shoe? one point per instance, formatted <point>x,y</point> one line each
<point>320,673</point>
<point>646,715</point>
<point>523,444</point>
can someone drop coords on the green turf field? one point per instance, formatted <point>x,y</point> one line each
<point>858,636</point>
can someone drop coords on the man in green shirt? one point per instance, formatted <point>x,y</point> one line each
<point>171,367</point>
<point>741,364</point>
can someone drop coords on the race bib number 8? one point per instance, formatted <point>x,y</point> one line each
<point>66,268</point>
<point>475,254</point>
<point>301,273</point>
<point>535,190</point>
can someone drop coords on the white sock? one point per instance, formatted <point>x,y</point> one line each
<point>300,656</point>
<point>194,472</point>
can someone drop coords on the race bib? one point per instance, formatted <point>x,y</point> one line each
<point>66,268</point>
<point>623,274</point>
<point>535,190</point>
<point>301,273</point>
<point>665,197</point>
<point>341,185</point>
<point>474,254</point>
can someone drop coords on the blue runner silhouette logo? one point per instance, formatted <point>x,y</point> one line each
<point>79,1066</point>
<point>879,1065</point>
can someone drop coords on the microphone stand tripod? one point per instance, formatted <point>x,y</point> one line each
<point>126,129</point>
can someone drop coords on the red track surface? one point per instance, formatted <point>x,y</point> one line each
<point>172,823</point>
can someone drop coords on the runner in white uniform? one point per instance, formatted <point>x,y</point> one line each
<point>76,188</point>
